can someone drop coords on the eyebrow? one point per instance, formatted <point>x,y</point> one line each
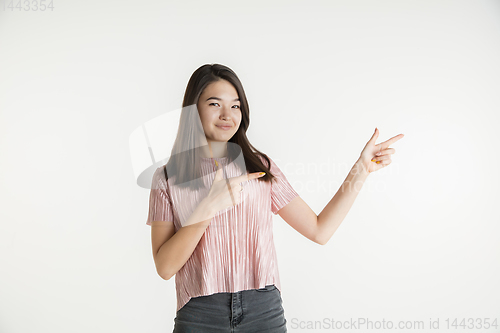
<point>217,98</point>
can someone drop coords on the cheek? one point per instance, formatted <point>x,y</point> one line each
<point>206,119</point>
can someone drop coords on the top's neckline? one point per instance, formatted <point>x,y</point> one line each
<point>214,158</point>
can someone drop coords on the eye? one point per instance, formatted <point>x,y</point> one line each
<point>213,103</point>
<point>237,106</point>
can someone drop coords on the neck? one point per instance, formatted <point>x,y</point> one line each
<point>215,149</point>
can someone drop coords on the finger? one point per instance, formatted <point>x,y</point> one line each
<point>235,191</point>
<point>251,176</point>
<point>231,192</point>
<point>218,173</point>
<point>381,158</point>
<point>374,137</point>
<point>389,142</point>
<point>386,152</point>
<point>247,177</point>
<point>384,162</point>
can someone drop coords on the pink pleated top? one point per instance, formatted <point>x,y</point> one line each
<point>236,251</point>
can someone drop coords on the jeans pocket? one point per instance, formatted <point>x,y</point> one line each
<point>267,288</point>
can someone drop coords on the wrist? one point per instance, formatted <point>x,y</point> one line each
<point>360,168</point>
<point>201,216</point>
<point>205,208</point>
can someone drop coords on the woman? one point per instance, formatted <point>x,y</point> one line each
<point>210,212</point>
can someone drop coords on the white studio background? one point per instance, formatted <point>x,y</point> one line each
<point>421,240</point>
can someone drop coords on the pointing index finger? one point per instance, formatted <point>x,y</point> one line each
<point>247,177</point>
<point>389,142</point>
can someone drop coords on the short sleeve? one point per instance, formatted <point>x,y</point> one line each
<point>160,208</point>
<point>281,190</point>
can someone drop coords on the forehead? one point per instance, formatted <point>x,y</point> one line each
<point>221,88</point>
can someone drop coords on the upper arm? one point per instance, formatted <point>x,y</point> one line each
<point>161,214</point>
<point>286,202</point>
<point>301,217</point>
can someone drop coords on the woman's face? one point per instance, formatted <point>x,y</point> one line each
<point>219,106</point>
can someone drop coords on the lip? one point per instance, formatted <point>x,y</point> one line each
<point>224,127</point>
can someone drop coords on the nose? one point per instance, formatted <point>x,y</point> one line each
<point>225,113</point>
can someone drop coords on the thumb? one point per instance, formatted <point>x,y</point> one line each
<point>218,173</point>
<point>374,137</point>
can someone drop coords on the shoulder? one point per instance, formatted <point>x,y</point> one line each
<point>159,179</point>
<point>268,161</point>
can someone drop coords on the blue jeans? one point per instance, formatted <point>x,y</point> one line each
<point>254,310</point>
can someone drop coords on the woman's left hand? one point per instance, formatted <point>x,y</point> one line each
<point>376,156</point>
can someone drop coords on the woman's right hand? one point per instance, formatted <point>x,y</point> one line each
<point>219,196</point>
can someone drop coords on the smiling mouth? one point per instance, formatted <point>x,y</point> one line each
<point>224,127</point>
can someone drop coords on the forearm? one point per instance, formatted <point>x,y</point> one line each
<point>175,252</point>
<point>336,210</point>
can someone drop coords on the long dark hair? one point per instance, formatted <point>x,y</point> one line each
<point>185,157</point>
